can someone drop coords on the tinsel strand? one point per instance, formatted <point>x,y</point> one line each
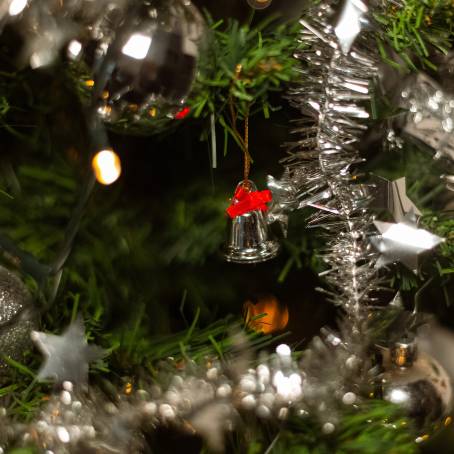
<point>331,97</point>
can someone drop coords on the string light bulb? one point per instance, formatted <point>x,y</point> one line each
<point>107,166</point>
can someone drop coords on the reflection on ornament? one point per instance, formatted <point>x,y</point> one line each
<point>351,22</point>
<point>259,4</point>
<point>16,7</point>
<point>183,113</point>
<point>107,167</point>
<point>74,50</point>
<point>137,46</point>
<point>274,318</point>
<point>431,115</point>
<point>151,63</point>
<point>416,382</point>
<point>403,242</point>
<point>249,236</point>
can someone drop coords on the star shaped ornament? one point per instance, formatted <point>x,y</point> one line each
<point>352,20</point>
<point>403,242</point>
<point>392,196</point>
<point>68,355</point>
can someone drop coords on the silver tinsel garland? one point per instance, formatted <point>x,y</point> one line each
<point>332,95</point>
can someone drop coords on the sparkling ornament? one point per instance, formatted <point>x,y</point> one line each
<point>284,199</point>
<point>249,239</point>
<point>339,64</point>
<point>392,196</point>
<point>351,22</point>
<point>259,4</point>
<point>68,355</point>
<point>416,382</point>
<point>403,242</point>
<point>275,315</point>
<point>431,115</point>
<point>107,166</point>
<point>47,26</point>
<point>149,63</point>
<point>17,317</point>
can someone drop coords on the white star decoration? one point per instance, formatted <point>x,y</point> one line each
<point>68,355</point>
<point>403,242</point>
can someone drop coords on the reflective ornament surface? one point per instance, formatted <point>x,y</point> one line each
<point>17,317</point>
<point>249,237</point>
<point>142,62</point>
<point>416,382</point>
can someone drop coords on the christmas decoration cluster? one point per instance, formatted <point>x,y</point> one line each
<point>140,57</point>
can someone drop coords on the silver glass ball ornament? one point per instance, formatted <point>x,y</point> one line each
<point>143,59</point>
<point>17,317</point>
<point>418,383</point>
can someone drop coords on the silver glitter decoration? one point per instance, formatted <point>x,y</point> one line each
<point>403,242</point>
<point>431,115</point>
<point>17,317</point>
<point>431,119</point>
<point>68,355</point>
<point>75,421</point>
<point>332,96</point>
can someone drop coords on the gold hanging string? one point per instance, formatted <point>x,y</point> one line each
<point>244,142</point>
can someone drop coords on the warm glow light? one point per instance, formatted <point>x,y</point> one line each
<point>411,236</point>
<point>16,7</point>
<point>137,46</point>
<point>107,166</point>
<point>267,315</point>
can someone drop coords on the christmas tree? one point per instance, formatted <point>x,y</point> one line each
<point>226,227</point>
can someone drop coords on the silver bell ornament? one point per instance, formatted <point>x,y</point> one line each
<point>416,382</point>
<point>141,63</point>
<point>249,236</point>
<point>17,317</point>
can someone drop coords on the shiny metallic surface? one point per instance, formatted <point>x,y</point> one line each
<point>150,61</point>
<point>403,242</point>
<point>423,389</point>
<point>249,239</point>
<point>17,317</point>
<point>332,96</point>
<point>351,21</point>
<point>431,115</point>
<point>404,353</point>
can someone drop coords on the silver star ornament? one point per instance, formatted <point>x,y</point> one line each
<point>68,355</point>
<point>351,21</point>
<point>392,196</point>
<point>403,242</point>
